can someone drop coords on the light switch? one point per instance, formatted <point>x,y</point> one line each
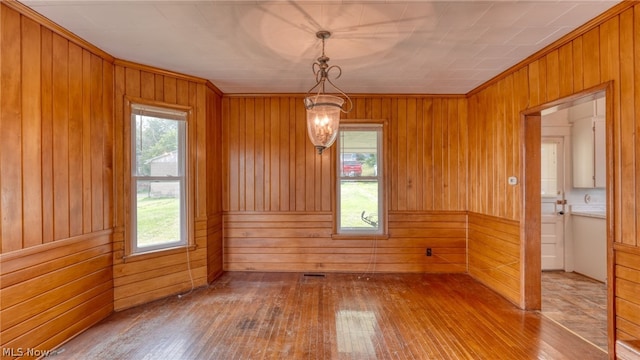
<point>513,180</point>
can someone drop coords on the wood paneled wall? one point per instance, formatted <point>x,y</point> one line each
<point>301,241</point>
<point>279,192</point>
<point>411,233</point>
<point>494,254</point>
<point>494,130</point>
<point>428,136</point>
<point>56,176</point>
<point>603,50</point>
<point>62,177</point>
<point>494,205</point>
<point>56,131</point>
<point>53,292</point>
<point>141,278</point>
<point>270,165</point>
<point>627,303</point>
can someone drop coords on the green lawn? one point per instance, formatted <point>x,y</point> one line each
<point>358,196</point>
<point>158,220</point>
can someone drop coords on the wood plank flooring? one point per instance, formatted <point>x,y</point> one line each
<point>341,316</point>
<point>578,303</point>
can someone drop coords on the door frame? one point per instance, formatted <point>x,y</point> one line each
<point>530,222</point>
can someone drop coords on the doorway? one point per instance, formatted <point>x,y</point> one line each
<point>546,224</point>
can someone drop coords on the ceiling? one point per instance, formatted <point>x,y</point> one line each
<point>382,46</point>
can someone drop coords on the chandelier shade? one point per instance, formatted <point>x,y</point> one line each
<point>323,111</point>
<point>323,119</point>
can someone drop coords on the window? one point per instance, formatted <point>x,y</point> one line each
<point>549,172</point>
<point>158,178</point>
<point>359,188</point>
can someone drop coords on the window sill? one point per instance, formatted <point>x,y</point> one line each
<point>360,236</point>
<point>157,253</point>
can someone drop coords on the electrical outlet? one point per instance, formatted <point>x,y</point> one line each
<point>428,252</point>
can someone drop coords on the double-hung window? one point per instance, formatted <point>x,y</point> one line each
<point>360,188</point>
<point>158,178</point>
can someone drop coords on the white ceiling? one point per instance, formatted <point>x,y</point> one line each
<point>382,46</point>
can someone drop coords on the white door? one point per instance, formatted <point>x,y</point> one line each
<point>553,208</point>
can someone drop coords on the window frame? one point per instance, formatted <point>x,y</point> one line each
<point>381,233</point>
<point>135,106</point>
<point>558,141</point>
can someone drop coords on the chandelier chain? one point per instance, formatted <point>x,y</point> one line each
<point>321,70</point>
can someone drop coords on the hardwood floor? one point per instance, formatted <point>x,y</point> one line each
<point>340,316</point>
<point>578,303</point>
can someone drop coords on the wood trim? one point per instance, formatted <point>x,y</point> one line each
<point>161,104</point>
<point>162,72</point>
<point>68,35</point>
<point>1,126</point>
<point>52,245</point>
<point>214,88</point>
<point>156,253</point>
<point>499,220</point>
<point>383,122</point>
<point>531,296</point>
<point>611,187</point>
<point>360,237</point>
<point>619,247</point>
<point>352,96</point>
<point>566,101</point>
<point>230,215</point>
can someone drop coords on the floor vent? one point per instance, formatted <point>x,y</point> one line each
<point>313,275</point>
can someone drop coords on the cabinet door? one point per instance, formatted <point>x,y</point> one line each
<point>590,247</point>
<point>582,146</point>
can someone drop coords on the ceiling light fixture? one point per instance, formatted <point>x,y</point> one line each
<point>323,111</point>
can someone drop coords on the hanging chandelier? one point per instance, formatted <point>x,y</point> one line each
<point>323,110</point>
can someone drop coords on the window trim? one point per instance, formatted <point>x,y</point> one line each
<point>382,233</point>
<point>167,111</point>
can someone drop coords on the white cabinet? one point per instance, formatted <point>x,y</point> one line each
<point>588,152</point>
<point>590,246</point>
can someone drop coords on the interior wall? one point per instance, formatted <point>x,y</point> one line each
<point>495,254</point>
<point>494,130</point>
<point>62,175</point>
<point>601,51</point>
<point>279,195</point>
<point>56,248</point>
<point>56,176</point>
<point>142,278</point>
